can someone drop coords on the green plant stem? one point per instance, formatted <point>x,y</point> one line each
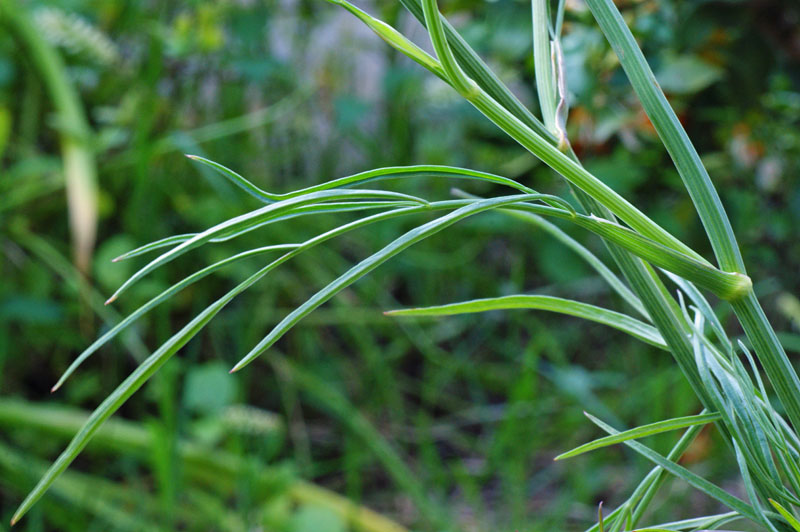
<point>663,117</point>
<point>543,64</point>
<point>477,69</point>
<point>599,199</point>
<point>770,352</point>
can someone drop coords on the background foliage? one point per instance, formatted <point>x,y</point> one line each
<point>293,93</point>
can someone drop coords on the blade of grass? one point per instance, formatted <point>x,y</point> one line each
<point>641,432</point>
<point>325,208</point>
<point>147,368</point>
<point>698,482</point>
<point>253,218</point>
<point>590,258</point>
<point>790,519</point>
<point>707,522</point>
<point>90,494</point>
<point>378,174</point>
<point>479,71</point>
<point>160,298</point>
<point>649,485</point>
<point>367,265</point>
<point>619,321</point>
<point>751,489</point>
<point>543,63</point>
<point>543,149</point>
<point>697,298</point>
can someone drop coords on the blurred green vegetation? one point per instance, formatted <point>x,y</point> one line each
<point>445,424</point>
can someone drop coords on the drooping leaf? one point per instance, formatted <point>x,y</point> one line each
<point>617,320</point>
<point>641,432</point>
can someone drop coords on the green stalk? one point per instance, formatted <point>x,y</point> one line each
<point>599,199</point>
<point>540,147</point>
<point>663,309</point>
<point>770,352</point>
<point>663,117</point>
<point>477,69</point>
<point>79,166</point>
<point>543,64</point>
<point>596,198</point>
<point>707,202</point>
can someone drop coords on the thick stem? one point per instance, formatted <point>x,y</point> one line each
<point>770,352</point>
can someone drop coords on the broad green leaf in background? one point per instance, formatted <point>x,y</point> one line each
<point>687,74</point>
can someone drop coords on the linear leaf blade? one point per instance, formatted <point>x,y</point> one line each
<point>370,263</point>
<point>617,320</point>
<point>641,432</point>
<point>712,490</point>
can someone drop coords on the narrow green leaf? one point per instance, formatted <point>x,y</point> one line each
<point>160,298</point>
<point>394,38</point>
<point>750,487</point>
<point>786,514</point>
<point>590,258</point>
<point>375,260</point>
<point>378,174</point>
<point>325,208</point>
<point>617,320</point>
<point>465,86</point>
<point>702,303</point>
<point>712,490</point>
<point>254,218</point>
<point>708,522</point>
<point>543,148</point>
<point>543,63</point>
<point>726,285</point>
<point>118,397</point>
<point>147,368</point>
<point>770,352</point>
<point>646,489</point>
<point>641,432</point>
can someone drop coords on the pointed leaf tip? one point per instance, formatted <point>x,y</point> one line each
<point>110,300</point>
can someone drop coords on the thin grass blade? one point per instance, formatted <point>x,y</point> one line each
<point>712,490</point>
<point>254,218</point>
<point>375,260</point>
<point>378,174</point>
<point>617,320</point>
<point>786,514</point>
<point>324,208</point>
<point>641,432</point>
<point>160,298</point>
